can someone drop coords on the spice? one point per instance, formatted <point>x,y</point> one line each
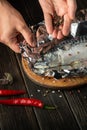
<point>70,92</point>
<point>46,92</point>
<point>60,96</point>
<point>31,95</point>
<point>11,92</point>
<point>26,102</point>
<point>53,91</point>
<point>78,91</point>
<point>58,91</point>
<point>38,90</point>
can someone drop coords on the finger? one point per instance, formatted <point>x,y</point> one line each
<point>66,25</point>
<point>54,34</point>
<point>60,35</point>
<point>27,34</point>
<point>48,23</point>
<point>12,43</point>
<point>72,6</point>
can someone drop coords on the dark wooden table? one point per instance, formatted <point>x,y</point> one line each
<point>71,112</point>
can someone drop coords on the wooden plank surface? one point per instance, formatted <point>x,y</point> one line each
<point>14,118</point>
<point>71,112</point>
<point>78,105</point>
<point>60,119</point>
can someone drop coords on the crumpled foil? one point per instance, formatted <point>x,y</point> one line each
<point>45,43</point>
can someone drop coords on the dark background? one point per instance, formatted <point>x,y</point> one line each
<point>31,10</point>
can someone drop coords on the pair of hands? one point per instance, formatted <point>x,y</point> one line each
<point>12,23</point>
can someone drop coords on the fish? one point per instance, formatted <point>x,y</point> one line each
<point>68,58</point>
<point>55,58</point>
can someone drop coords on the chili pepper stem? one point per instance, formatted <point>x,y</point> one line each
<point>49,107</point>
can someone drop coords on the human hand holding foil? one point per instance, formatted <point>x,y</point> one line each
<point>12,25</point>
<point>63,8</point>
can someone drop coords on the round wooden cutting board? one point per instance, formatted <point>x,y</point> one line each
<point>52,82</point>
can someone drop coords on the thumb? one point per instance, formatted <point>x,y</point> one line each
<point>27,34</point>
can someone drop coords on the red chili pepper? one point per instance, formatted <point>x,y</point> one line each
<point>7,92</point>
<point>25,102</point>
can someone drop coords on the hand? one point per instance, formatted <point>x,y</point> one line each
<point>11,25</point>
<point>65,8</point>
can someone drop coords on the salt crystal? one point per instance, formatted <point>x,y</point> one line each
<point>58,91</point>
<point>60,96</point>
<point>78,91</point>
<point>53,91</point>
<point>38,90</point>
<point>46,92</point>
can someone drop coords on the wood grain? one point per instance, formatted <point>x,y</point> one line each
<point>59,119</point>
<point>71,112</point>
<point>14,118</point>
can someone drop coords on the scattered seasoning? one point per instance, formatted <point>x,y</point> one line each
<point>53,91</point>
<point>60,96</point>
<point>46,92</point>
<point>11,92</point>
<point>78,91</point>
<point>70,92</point>
<point>31,95</point>
<point>58,91</point>
<point>26,102</point>
<point>38,90</point>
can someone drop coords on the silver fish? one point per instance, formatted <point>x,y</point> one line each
<point>68,58</point>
